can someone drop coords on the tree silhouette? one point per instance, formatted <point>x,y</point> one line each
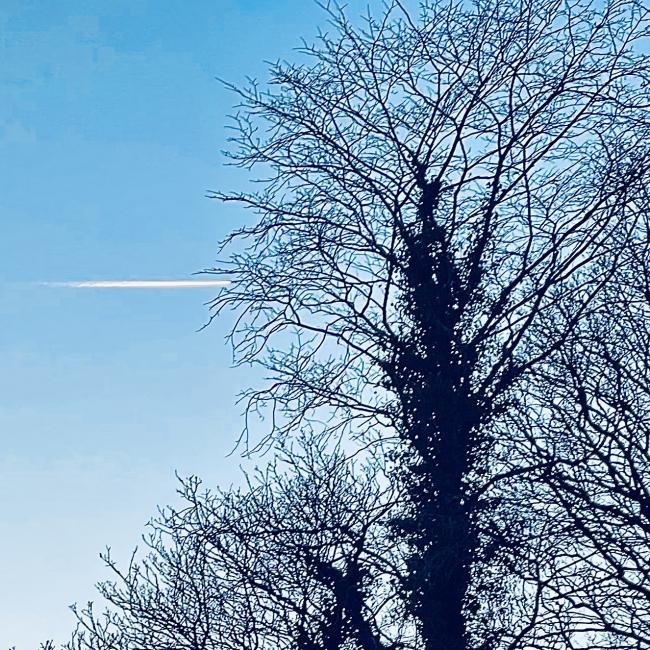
<point>299,559</point>
<point>595,443</point>
<point>443,203</point>
<point>448,268</point>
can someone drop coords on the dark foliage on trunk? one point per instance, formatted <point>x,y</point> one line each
<point>430,375</point>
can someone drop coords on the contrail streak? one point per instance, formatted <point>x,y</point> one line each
<point>142,284</point>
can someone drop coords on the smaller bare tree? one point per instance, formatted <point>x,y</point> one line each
<point>300,559</point>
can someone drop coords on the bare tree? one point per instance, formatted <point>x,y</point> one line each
<point>595,445</point>
<point>300,559</point>
<point>450,267</point>
<point>443,200</point>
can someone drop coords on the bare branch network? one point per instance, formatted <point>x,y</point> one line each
<point>447,281</point>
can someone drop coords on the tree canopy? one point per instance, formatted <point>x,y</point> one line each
<point>448,279</point>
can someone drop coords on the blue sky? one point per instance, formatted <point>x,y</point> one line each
<point>111,124</point>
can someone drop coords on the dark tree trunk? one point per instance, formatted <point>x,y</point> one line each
<point>430,374</point>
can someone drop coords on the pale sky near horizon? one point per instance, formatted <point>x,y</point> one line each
<point>111,123</point>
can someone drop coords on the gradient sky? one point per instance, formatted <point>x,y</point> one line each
<point>111,124</point>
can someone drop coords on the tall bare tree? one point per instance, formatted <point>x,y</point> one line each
<point>449,266</point>
<point>444,196</point>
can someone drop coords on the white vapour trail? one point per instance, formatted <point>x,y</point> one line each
<point>142,284</point>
